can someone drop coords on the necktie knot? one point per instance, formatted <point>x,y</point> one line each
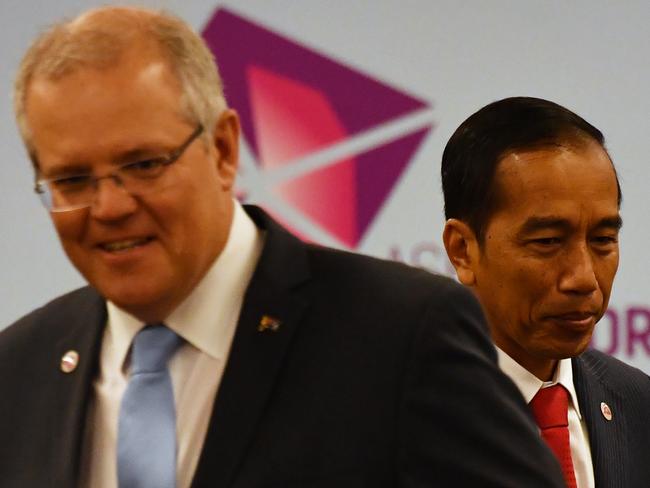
<point>550,406</point>
<point>152,348</point>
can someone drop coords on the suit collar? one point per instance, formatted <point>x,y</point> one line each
<point>607,438</point>
<point>83,319</point>
<point>273,305</point>
<point>283,262</point>
<point>529,384</point>
<point>207,317</point>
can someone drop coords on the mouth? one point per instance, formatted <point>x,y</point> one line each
<point>124,245</point>
<point>577,320</point>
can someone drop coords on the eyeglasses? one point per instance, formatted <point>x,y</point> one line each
<point>76,191</point>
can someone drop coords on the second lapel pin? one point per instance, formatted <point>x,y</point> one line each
<point>606,411</point>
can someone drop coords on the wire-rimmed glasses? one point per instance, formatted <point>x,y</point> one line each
<point>76,191</point>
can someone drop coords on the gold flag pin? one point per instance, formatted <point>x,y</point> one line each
<point>268,323</point>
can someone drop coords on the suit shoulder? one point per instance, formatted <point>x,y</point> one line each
<point>46,321</point>
<point>325,259</point>
<point>615,372</point>
<point>598,360</point>
<point>380,275</point>
<point>398,296</point>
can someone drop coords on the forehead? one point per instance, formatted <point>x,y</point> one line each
<point>99,109</point>
<point>559,180</point>
<point>134,74</point>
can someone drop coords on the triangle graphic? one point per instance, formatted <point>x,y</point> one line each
<point>358,100</point>
<point>379,171</point>
<point>344,197</point>
<point>290,119</point>
<point>328,197</point>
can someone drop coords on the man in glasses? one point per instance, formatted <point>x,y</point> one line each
<point>212,348</point>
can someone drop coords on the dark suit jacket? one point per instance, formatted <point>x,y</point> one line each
<point>620,447</point>
<point>378,376</point>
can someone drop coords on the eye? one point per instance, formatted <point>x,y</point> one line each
<point>545,246</point>
<point>70,183</point>
<point>546,241</point>
<point>147,168</point>
<point>605,241</point>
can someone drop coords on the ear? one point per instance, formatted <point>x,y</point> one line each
<point>226,143</point>
<point>462,249</point>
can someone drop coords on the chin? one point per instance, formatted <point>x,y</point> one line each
<point>566,350</point>
<point>140,301</point>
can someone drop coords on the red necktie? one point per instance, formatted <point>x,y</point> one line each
<point>550,407</point>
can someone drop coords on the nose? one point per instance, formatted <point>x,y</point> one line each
<point>112,201</point>
<point>579,275</point>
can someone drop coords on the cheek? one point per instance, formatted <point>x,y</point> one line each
<point>184,216</point>
<point>605,275</point>
<point>514,276</point>
<point>70,226</point>
<point>196,187</point>
<point>528,287</point>
<point>538,280</point>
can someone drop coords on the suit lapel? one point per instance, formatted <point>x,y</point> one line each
<point>607,438</point>
<point>273,306</point>
<point>70,391</point>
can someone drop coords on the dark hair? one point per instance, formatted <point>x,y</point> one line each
<point>473,152</point>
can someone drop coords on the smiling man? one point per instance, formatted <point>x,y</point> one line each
<point>211,347</point>
<point>532,201</point>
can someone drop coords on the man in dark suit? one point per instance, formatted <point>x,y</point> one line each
<point>532,201</point>
<point>286,364</point>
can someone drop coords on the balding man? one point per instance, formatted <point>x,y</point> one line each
<point>212,348</point>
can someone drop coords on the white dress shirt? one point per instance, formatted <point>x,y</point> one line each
<point>206,320</point>
<point>529,385</point>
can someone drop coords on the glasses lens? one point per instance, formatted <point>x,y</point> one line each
<point>44,194</point>
<point>66,193</point>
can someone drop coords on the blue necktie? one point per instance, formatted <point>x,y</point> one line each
<point>146,445</point>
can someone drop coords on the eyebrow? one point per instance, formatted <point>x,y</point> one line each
<point>146,151</point>
<point>65,169</point>
<point>533,224</point>
<point>614,223</point>
<point>128,156</point>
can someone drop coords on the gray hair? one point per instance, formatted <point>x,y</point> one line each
<point>97,39</point>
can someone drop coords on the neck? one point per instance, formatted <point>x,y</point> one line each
<point>542,367</point>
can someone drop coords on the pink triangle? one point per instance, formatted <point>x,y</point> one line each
<point>291,119</point>
<point>345,197</point>
<point>328,197</point>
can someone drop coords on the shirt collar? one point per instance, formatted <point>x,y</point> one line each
<point>529,384</point>
<point>207,317</point>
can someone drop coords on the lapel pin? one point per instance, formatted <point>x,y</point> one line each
<point>606,411</point>
<point>268,323</point>
<point>69,361</point>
